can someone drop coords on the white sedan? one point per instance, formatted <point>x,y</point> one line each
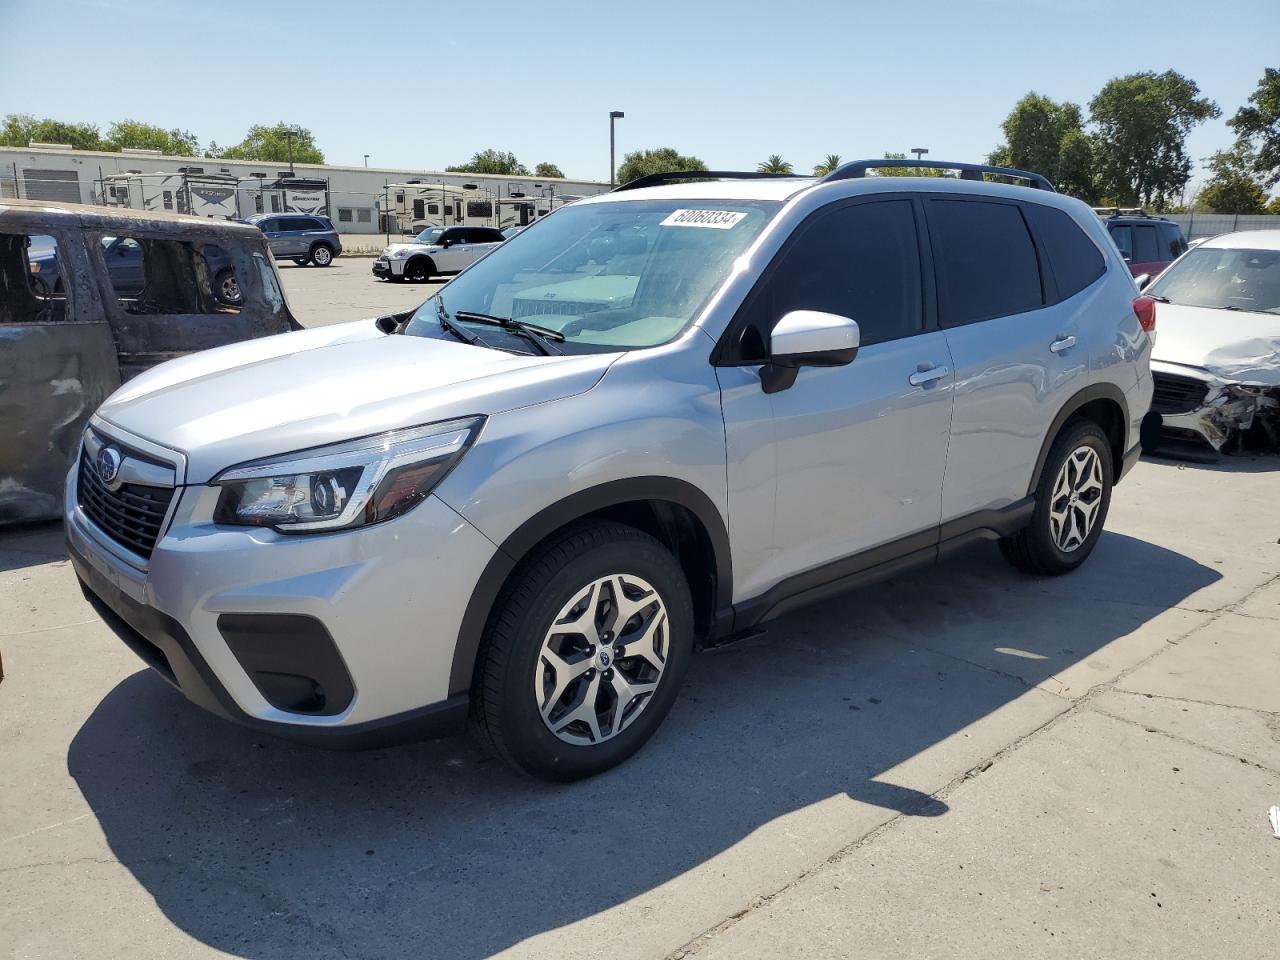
<point>1216,361</point>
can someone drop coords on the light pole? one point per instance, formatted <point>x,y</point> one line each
<point>288,136</point>
<point>919,151</point>
<point>614,115</point>
<point>366,160</point>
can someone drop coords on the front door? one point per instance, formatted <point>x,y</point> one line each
<point>277,240</point>
<point>847,458</point>
<point>454,252</point>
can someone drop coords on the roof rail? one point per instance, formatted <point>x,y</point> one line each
<point>1126,212</point>
<point>659,179</point>
<point>968,171</point>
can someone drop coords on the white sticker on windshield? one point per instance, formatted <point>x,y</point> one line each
<point>714,219</point>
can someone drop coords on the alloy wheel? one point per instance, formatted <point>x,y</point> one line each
<point>1076,499</point>
<point>602,659</point>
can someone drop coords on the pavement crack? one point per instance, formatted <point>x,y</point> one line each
<point>1185,742</point>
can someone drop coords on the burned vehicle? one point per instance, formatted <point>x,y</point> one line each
<point>90,297</point>
<point>1216,361</point>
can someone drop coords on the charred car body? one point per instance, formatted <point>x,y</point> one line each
<point>1216,362</point>
<point>90,297</point>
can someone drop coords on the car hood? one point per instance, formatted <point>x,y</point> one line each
<point>411,248</point>
<point>1231,344</point>
<point>289,392</point>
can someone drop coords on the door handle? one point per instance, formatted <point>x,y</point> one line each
<point>921,377</point>
<point>1062,343</point>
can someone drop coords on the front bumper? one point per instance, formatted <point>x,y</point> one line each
<point>1211,414</point>
<point>386,602</point>
<point>383,267</point>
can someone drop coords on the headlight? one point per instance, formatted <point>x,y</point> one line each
<point>349,484</point>
<point>399,254</point>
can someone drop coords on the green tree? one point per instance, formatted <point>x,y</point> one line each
<point>828,165</point>
<point>21,128</point>
<point>775,164</point>
<point>272,143</point>
<point>642,163</point>
<point>134,134</point>
<point>1141,123</point>
<point>548,170</point>
<point>1048,138</point>
<point>493,161</point>
<point>904,171</point>
<point>1235,187</point>
<point>1258,126</point>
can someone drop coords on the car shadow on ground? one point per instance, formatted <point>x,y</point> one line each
<point>266,849</point>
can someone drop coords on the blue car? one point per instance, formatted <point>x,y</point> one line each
<point>123,256</point>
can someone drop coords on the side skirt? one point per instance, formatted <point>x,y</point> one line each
<point>878,563</point>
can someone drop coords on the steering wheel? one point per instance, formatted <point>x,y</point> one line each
<point>41,292</point>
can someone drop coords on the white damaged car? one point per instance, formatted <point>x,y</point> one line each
<point>1216,361</point>
<point>434,251</point>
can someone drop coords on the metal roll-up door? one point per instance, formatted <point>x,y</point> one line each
<point>60,185</point>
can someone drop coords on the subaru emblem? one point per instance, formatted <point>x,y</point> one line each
<point>108,464</point>
<point>604,659</point>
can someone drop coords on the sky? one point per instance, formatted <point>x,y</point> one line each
<point>423,85</point>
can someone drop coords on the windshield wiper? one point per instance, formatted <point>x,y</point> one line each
<point>1156,297</point>
<point>544,338</point>
<point>448,326</point>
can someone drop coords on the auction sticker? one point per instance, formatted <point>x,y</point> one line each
<point>712,219</point>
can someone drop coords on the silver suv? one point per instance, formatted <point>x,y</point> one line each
<point>650,422</point>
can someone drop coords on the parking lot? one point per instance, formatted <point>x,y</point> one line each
<point>960,762</point>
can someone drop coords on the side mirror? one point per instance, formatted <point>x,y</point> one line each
<point>807,338</point>
<point>1142,280</point>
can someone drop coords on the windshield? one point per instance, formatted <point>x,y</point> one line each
<point>429,235</point>
<point>608,276</point>
<point>1225,279</point>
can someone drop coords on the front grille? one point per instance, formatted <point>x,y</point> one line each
<point>132,515</point>
<point>1175,394</point>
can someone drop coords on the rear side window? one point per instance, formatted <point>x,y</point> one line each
<point>32,284</point>
<point>984,260</point>
<point>1146,247</point>
<point>1073,258</point>
<point>860,261</point>
<point>1171,240</point>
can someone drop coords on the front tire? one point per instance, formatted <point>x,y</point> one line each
<point>420,270</point>
<point>1072,500</point>
<point>584,652</point>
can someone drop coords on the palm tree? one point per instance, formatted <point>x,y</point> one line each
<point>775,164</point>
<point>828,165</point>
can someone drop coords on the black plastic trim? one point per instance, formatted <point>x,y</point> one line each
<point>154,635</point>
<point>542,524</point>
<point>288,655</point>
<point>886,560</point>
<point>1096,391</point>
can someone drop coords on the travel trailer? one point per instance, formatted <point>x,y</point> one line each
<point>199,194</point>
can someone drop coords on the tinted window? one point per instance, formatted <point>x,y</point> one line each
<point>1146,246</point>
<point>984,259</point>
<point>1123,236</point>
<point>483,235</point>
<point>268,226</point>
<point>301,223</point>
<point>1171,240</point>
<point>1073,258</point>
<point>860,261</point>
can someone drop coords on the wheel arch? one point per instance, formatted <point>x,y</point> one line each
<point>673,511</point>
<point>425,258</point>
<point>1105,405</point>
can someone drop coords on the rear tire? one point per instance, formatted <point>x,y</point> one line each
<point>1072,500</point>
<point>226,289</point>
<point>321,255</point>
<point>556,664</point>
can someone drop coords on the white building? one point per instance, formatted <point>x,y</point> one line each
<point>356,197</point>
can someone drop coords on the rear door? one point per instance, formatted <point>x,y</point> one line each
<point>272,229</point>
<point>1018,353</point>
<point>846,458</point>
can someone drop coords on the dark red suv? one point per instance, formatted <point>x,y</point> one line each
<point>1148,244</point>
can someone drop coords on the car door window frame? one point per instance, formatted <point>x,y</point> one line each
<point>1048,284</point>
<point>728,349</point>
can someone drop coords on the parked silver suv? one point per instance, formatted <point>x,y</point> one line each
<point>650,422</point>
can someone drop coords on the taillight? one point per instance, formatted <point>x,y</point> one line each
<point>1145,309</point>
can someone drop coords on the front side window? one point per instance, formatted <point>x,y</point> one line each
<point>1223,279</point>
<point>32,287</point>
<point>984,261</point>
<point>860,261</point>
<point>614,275</point>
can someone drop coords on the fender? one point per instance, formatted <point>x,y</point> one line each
<point>550,519</point>
<point>1096,391</point>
